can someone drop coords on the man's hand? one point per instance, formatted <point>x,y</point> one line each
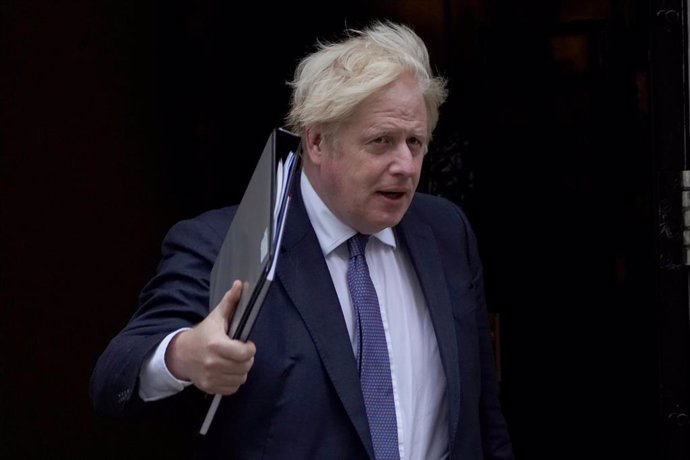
<point>206,356</point>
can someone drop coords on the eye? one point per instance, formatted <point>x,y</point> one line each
<point>380,140</point>
<point>416,144</point>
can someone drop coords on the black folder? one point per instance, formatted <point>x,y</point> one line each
<point>250,249</point>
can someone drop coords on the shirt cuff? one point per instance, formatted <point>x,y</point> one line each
<point>155,380</point>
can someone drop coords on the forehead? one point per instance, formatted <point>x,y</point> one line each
<point>398,104</point>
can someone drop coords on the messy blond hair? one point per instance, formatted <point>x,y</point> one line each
<point>329,83</point>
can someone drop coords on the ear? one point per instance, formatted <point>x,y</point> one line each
<point>314,145</point>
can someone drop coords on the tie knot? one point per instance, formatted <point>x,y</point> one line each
<point>357,244</point>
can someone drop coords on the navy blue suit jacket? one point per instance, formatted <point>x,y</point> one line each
<point>302,398</point>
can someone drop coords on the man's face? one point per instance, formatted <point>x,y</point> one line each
<point>368,175</point>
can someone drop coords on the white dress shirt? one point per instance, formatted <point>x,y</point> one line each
<point>419,383</point>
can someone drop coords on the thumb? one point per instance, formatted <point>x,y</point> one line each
<point>228,303</point>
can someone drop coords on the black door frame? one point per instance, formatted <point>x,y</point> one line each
<point>669,144</point>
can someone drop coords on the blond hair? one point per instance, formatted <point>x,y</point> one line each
<point>329,83</point>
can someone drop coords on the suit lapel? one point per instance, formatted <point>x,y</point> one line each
<point>426,257</point>
<point>303,272</point>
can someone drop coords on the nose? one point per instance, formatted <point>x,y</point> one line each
<point>405,161</point>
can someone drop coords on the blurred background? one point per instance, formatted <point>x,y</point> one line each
<point>564,138</point>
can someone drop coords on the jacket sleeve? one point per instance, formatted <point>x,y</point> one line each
<point>176,297</point>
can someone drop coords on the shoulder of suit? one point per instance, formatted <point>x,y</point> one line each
<point>220,214</point>
<point>441,213</point>
<point>215,220</point>
<point>431,203</point>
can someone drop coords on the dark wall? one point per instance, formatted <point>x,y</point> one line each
<point>116,120</point>
<point>82,203</point>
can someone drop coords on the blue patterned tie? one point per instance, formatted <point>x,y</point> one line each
<point>372,353</point>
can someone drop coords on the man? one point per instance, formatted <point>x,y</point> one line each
<point>363,256</point>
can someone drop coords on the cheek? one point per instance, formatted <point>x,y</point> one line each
<point>416,176</point>
<point>335,178</point>
<point>419,162</point>
<point>418,171</point>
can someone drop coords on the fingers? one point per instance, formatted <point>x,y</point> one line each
<point>225,385</point>
<point>222,375</point>
<point>234,350</point>
<point>207,356</point>
<point>220,383</point>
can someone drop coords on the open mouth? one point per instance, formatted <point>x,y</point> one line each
<point>393,195</point>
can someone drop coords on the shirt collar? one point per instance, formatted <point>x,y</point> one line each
<point>330,231</point>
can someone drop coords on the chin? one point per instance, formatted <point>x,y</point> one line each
<point>376,223</point>
<point>389,222</point>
